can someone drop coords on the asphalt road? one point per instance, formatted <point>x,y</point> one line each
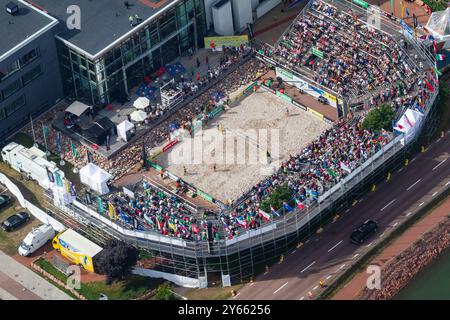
<point>326,255</point>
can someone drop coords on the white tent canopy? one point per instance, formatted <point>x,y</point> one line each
<point>138,116</point>
<point>77,108</point>
<point>125,129</point>
<point>95,177</point>
<point>141,103</point>
<point>409,124</point>
<point>439,22</point>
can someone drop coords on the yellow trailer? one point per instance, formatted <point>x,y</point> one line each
<point>76,248</point>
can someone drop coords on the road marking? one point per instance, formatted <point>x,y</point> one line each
<point>236,295</point>
<point>307,241</point>
<point>434,194</point>
<point>447,183</point>
<point>315,287</point>
<point>349,209</point>
<point>394,225</point>
<point>335,245</point>
<point>355,256</point>
<point>408,214</point>
<point>369,244</point>
<point>328,277</point>
<point>381,235</point>
<point>341,267</point>
<point>252,284</point>
<point>421,204</point>
<point>411,186</point>
<point>280,287</point>
<point>301,298</point>
<point>293,252</point>
<point>307,267</point>
<point>388,205</point>
<point>400,170</point>
<point>5,295</point>
<point>439,164</point>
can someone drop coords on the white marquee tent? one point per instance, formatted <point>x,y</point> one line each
<point>439,26</point>
<point>125,130</point>
<point>138,116</point>
<point>95,177</point>
<point>141,103</point>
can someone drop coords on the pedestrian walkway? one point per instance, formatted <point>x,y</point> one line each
<point>19,282</point>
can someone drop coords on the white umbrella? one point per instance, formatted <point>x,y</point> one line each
<point>138,116</point>
<point>141,103</point>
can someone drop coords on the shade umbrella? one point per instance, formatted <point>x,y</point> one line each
<point>141,103</point>
<point>138,116</point>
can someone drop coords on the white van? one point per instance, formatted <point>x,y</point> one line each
<point>36,239</point>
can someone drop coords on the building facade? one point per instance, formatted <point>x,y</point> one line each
<point>109,75</point>
<point>30,80</point>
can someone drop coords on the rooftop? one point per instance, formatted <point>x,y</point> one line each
<point>102,21</point>
<point>16,30</point>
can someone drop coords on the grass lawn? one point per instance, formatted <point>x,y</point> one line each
<point>216,293</point>
<point>131,288</point>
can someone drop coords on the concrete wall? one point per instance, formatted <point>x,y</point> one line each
<point>242,14</point>
<point>208,13</point>
<point>42,92</point>
<point>265,6</point>
<point>223,19</point>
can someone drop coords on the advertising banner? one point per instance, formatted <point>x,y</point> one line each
<point>169,145</point>
<point>297,104</point>
<point>216,43</point>
<point>284,96</point>
<point>315,113</point>
<point>205,195</point>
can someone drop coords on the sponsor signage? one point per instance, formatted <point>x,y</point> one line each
<point>285,75</point>
<point>284,96</point>
<point>205,195</point>
<point>169,145</point>
<point>216,43</point>
<point>361,3</point>
<point>315,113</point>
<point>317,53</point>
<point>295,103</point>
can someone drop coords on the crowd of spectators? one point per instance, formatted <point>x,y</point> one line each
<point>356,58</point>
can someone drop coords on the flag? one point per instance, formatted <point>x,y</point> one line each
<point>59,182</point>
<point>67,185</point>
<point>345,167</point>
<point>438,73</point>
<point>242,222</point>
<point>74,150</point>
<point>111,211</point>
<point>429,86</point>
<point>88,156</point>
<point>300,205</point>
<point>415,21</point>
<point>100,207</point>
<point>334,174</point>
<point>51,178</point>
<point>407,13</point>
<point>435,47</point>
<point>287,207</point>
<point>440,57</point>
<point>274,212</point>
<point>172,226</point>
<point>195,229</point>
<point>264,215</point>
<point>409,122</point>
<point>73,192</point>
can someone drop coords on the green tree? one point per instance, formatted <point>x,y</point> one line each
<point>276,198</point>
<point>379,118</point>
<point>164,292</point>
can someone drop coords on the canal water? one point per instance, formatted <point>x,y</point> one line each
<point>433,282</point>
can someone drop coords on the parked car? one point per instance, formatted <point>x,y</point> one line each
<point>36,239</point>
<point>15,221</point>
<point>4,200</point>
<point>360,234</point>
<point>323,100</point>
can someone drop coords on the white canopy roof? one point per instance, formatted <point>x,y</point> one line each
<point>125,125</point>
<point>77,108</point>
<point>95,173</point>
<point>141,103</point>
<point>439,22</point>
<point>138,116</point>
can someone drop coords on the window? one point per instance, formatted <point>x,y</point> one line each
<point>31,75</point>
<point>13,67</point>
<point>12,88</point>
<point>30,56</point>
<point>16,105</point>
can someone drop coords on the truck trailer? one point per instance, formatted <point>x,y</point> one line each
<point>31,162</point>
<point>76,248</point>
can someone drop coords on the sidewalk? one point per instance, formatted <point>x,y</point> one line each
<point>404,241</point>
<point>19,282</point>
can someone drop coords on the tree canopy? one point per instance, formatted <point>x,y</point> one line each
<point>379,118</point>
<point>164,293</point>
<point>116,260</point>
<point>276,198</point>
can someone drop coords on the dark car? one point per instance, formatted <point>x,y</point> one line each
<point>323,100</point>
<point>15,221</point>
<point>359,235</point>
<point>4,200</point>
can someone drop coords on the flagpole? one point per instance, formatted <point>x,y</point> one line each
<point>32,129</point>
<point>45,141</point>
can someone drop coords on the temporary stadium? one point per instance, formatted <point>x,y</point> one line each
<point>211,223</point>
